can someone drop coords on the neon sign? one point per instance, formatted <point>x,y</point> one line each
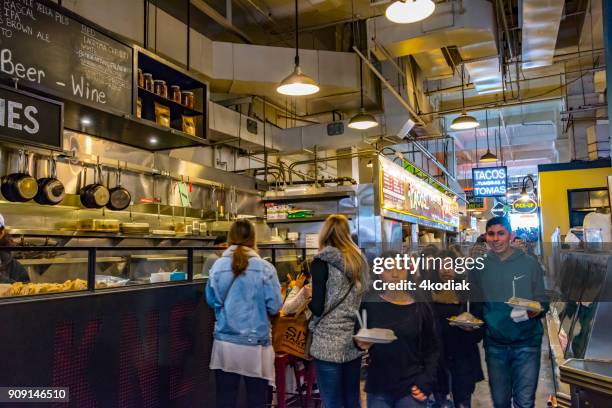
<point>490,181</point>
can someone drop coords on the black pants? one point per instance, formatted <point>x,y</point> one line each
<point>227,390</point>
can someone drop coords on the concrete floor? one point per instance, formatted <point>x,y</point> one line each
<point>482,396</point>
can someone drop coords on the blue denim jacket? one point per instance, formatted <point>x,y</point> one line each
<point>243,314</point>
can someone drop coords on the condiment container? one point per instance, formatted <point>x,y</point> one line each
<point>161,88</point>
<point>188,99</point>
<point>148,82</point>
<point>141,80</point>
<point>175,91</point>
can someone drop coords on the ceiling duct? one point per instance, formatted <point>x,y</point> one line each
<point>540,28</point>
<point>324,136</point>
<point>235,129</point>
<point>470,29</point>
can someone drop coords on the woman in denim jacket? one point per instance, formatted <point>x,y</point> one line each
<point>244,291</point>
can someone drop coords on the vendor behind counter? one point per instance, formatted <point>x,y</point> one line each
<point>221,243</point>
<point>10,270</point>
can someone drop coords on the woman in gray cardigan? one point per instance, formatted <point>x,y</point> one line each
<point>338,273</point>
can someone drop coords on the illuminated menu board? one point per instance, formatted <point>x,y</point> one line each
<point>406,197</point>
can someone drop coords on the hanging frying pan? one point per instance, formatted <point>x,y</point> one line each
<point>20,186</point>
<point>51,191</point>
<point>120,198</point>
<point>94,195</point>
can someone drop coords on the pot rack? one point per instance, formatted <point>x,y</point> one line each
<point>108,164</point>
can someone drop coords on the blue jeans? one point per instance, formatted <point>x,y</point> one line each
<point>339,383</point>
<point>513,375</point>
<point>386,401</point>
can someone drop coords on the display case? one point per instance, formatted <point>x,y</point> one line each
<point>146,334</point>
<point>580,322</point>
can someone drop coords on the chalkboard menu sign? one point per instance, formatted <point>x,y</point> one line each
<point>47,50</point>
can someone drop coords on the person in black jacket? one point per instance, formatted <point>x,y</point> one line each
<point>10,270</point>
<point>400,374</point>
<point>460,368</point>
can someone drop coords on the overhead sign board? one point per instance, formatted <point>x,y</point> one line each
<point>405,196</point>
<point>490,181</point>
<point>45,49</point>
<point>473,203</point>
<point>499,210</point>
<point>524,206</point>
<point>30,119</point>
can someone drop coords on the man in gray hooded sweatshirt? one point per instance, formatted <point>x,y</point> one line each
<point>513,337</point>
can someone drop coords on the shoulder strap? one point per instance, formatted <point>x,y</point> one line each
<point>228,290</point>
<point>338,303</point>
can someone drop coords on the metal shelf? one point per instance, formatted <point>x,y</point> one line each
<point>65,261</point>
<point>177,109</point>
<point>328,196</point>
<point>78,234</point>
<point>316,218</point>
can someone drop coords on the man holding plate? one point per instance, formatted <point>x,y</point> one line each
<point>511,288</point>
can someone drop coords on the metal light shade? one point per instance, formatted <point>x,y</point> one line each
<point>298,84</point>
<point>410,11</point>
<point>362,121</point>
<point>488,157</point>
<point>463,122</point>
<point>524,194</point>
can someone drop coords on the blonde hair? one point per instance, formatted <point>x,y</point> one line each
<point>336,233</point>
<point>242,234</point>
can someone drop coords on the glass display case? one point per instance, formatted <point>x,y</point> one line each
<point>31,270</point>
<point>580,322</point>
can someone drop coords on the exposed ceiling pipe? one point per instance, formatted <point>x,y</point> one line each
<point>502,125</point>
<point>280,168</point>
<point>471,85</point>
<point>415,116</point>
<point>363,153</point>
<point>491,105</point>
<point>502,13</point>
<point>433,159</point>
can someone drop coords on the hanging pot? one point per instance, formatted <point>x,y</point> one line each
<point>20,186</point>
<point>120,198</point>
<point>94,195</point>
<point>51,191</point>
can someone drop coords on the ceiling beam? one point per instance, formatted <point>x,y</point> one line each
<point>221,20</point>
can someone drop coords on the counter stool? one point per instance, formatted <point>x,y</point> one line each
<point>305,375</point>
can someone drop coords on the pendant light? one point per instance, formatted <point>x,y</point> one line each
<point>297,83</point>
<point>463,121</point>
<point>363,120</point>
<point>488,157</point>
<point>410,11</point>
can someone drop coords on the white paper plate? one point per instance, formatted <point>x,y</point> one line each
<point>377,340</point>
<point>460,323</point>
<point>522,306</point>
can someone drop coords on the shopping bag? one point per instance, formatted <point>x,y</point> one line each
<point>289,334</point>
